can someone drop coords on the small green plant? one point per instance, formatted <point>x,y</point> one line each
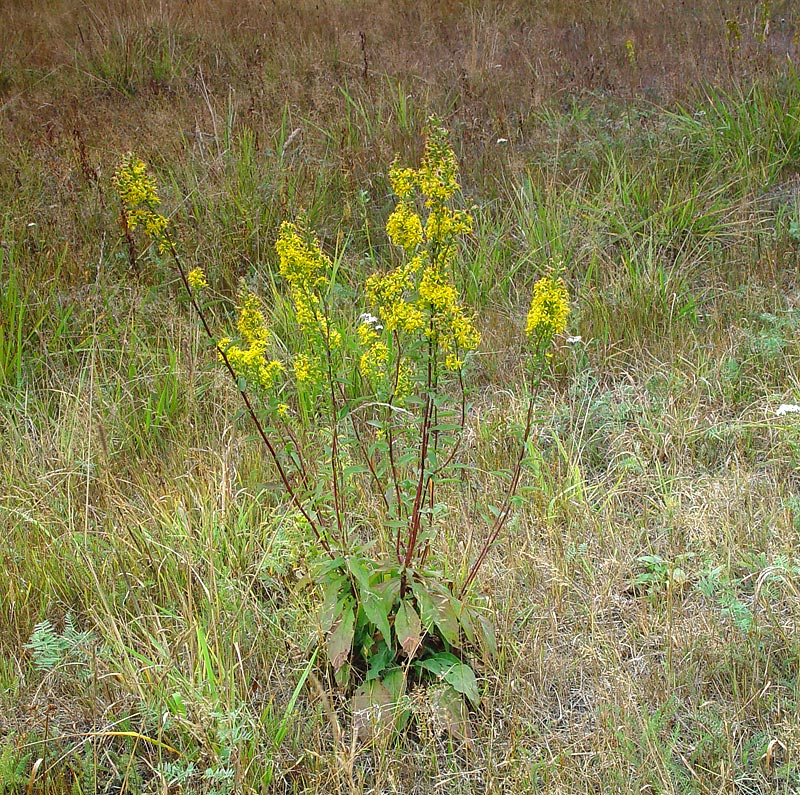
<point>13,764</point>
<point>51,649</point>
<point>364,427</point>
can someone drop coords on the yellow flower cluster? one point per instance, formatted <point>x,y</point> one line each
<point>197,279</point>
<point>549,309</point>
<point>419,296</point>
<point>375,360</point>
<point>437,177</point>
<point>389,293</point>
<point>139,196</point>
<point>305,268</point>
<point>250,361</point>
<point>307,368</point>
<point>404,227</point>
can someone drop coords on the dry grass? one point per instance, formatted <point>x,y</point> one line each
<point>647,593</point>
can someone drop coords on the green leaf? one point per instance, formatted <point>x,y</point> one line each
<point>460,676</point>
<point>336,592</point>
<point>378,662</point>
<point>487,631</point>
<point>427,608</point>
<point>359,571</point>
<point>438,663</point>
<point>465,620</point>
<point>358,469</point>
<point>408,628</point>
<point>340,639</point>
<point>376,612</point>
<point>445,616</point>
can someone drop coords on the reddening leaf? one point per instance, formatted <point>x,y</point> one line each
<point>408,628</point>
<point>455,712</point>
<point>340,639</point>
<point>372,709</point>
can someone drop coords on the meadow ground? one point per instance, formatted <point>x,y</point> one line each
<point>157,619</point>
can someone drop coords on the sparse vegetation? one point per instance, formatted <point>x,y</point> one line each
<point>159,601</point>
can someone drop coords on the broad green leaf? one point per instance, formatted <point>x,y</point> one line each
<point>359,571</point>
<point>340,639</point>
<point>327,566</point>
<point>394,681</point>
<point>377,613</point>
<point>378,662</point>
<point>427,608</point>
<point>408,628</point>
<point>462,678</point>
<point>445,616</point>
<point>439,663</point>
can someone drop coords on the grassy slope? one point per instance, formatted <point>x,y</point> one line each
<point>648,594</point>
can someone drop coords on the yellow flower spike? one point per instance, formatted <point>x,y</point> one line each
<point>302,262</point>
<point>307,368</point>
<point>136,188</point>
<point>549,308</point>
<point>374,360</point>
<point>251,323</point>
<point>438,176</point>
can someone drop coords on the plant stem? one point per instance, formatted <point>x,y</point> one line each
<point>249,406</point>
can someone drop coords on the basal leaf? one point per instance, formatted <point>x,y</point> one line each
<point>462,679</point>
<point>376,612</point>
<point>445,616</point>
<point>455,710</point>
<point>372,709</point>
<point>340,639</point>
<point>408,628</point>
<point>439,663</point>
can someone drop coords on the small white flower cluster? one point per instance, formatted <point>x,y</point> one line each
<point>370,320</point>
<point>787,408</point>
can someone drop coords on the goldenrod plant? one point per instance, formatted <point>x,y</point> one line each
<point>364,429</point>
